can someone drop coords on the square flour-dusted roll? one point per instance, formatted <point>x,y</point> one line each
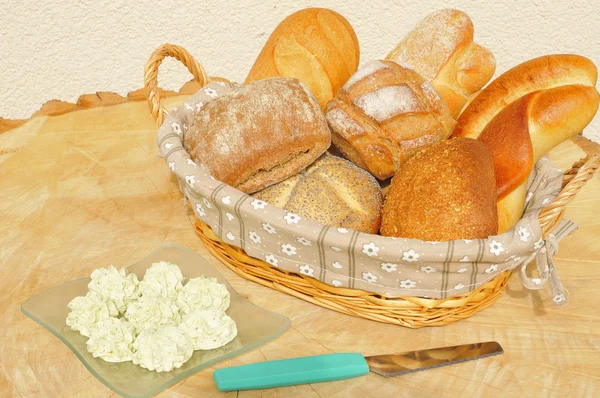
<point>259,134</point>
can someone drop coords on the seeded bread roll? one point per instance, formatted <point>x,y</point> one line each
<point>259,134</point>
<point>332,191</point>
<point>384,114</point>
<point>445,192</point>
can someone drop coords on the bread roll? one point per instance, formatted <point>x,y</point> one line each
<point>537,74</point>
<point>316,45</point>
<point>441,49</point>
<point>525,131</point>
<point>445,192</point>
<point>259,134</point>
<point>332,191</point>
<point>384,114</point>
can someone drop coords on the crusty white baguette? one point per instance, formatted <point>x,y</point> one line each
<point>441,49</point>
<point>315,45</point>
<point>527,129</point>
<point>536,74</point>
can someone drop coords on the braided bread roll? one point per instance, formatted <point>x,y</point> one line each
<point>524,131</point>
<point>384,114</point>
<point>441,49</point>
<point>536,74</point>
<point>523,114</point>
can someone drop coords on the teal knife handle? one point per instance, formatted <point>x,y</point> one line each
<point>289,372</point>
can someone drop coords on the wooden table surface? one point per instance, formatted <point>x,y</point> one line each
<point>86,189</point>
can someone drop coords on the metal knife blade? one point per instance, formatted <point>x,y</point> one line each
<point>415,361</point>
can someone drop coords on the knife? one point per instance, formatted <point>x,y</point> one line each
<point>329,367</point>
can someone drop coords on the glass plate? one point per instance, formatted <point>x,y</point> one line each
<point>256,326</point>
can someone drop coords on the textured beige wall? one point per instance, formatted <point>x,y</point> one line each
<point>64,48</point>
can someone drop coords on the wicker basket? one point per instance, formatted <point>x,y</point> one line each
<point>413,312</point>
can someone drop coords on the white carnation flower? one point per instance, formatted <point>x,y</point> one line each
<point>258,204</point>
<point>523,234</point>
<point>369,277</point>
<point>271,260</point>
<point>491,268</point>
<point>254,237</point>
<point>162,350</point>
<point>114,285</point>
<point>428,269</point>
<point>150,312</point>
<point>389,267</point>
<point>410,256</point>
<point>408,284</point>
<point>203,293</point>
<point>162,279</point>
<point>269,228</point>
<point>112,340</point>
<point>288,249</point>
<point>370,249</point>
<point>87,310</point>
<point>496,247</point>
<point>292,218</point>
<point>209,329</point>
<point>306,269</point>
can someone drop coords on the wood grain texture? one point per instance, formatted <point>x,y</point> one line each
<point>86,189</point>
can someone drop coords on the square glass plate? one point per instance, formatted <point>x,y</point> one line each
<point>256,326</point>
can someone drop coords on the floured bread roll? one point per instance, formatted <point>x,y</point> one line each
<point>258,134</point>
<point>332,191</point>
<point>384,114</point>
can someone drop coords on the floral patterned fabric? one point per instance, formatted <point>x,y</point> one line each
<point>346,258</point>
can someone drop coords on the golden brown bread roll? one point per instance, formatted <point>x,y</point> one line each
<point>258,134</point>
<point>536,74</point>
<point>441,49</point>
<point>384,114</point>
<point>526,130</point>
<point>332,191</point>
<point>316,45</point>
<point>445,192</point>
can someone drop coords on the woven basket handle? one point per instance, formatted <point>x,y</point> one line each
<point>151,76</point>
<point>574,179</point>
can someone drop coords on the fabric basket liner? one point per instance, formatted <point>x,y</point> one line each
<point>347,258</point>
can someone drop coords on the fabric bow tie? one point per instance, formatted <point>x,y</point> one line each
<point>547,273</point>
